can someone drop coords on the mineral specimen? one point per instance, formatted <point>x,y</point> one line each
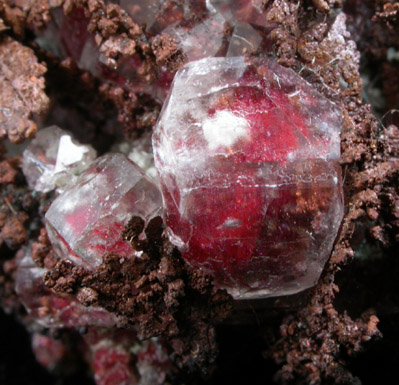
<point>247,155</point>
<point>196,29</point>
<point>54,159</point>
<point>53,310</point>
<point>86,221</point>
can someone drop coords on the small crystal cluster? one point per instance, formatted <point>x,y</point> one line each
<point>243,165</point>
<point>54,159</point>
<point>199,29</point>
<point>247,155</point>
<point>87,220</point>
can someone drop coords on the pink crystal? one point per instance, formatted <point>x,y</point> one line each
<point>87,220</point>
<point>247,155</point>
<point>112,353</point>
<point>109,356</point>
<point>48,351</point>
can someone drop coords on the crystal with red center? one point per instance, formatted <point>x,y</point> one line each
<point>86,221</point>
<point>247,155</point>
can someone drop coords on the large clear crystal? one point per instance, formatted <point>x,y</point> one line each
<point>247,155</point>
<point>54,159</point>
<point>87,220</point>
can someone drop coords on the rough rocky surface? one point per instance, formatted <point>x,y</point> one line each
<point>319,342</point>
<point>155,292</point>
<point>22,92</point>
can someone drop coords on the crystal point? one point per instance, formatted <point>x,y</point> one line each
<point>247,156</point>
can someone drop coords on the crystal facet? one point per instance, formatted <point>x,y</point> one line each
<point>54,159</point>
<point>247,155</point>
<point>86,221</point>
<point>141,153</point>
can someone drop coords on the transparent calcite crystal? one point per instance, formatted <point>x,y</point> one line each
<point>244,40</point>
<point>247,156</point>
<point>54,159</point>
<point>86,221</point>
<point>50,309</point>
<point>249,11</point>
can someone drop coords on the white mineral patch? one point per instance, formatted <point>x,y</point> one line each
<point>224,129</point>
<point>54,159</point>
<point>69,153</point>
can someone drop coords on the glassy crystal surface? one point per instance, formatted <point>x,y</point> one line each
<point>249,11</point>
<point>247,155</point>
<point>54,310</point>
<point>54,159</point>
<point>140,152</point>
<point>86,221</point>
<point>244,40</point>
<point>158,14</point>
<point>199,40</point>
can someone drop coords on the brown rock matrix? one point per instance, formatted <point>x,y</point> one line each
<point>322,40</point>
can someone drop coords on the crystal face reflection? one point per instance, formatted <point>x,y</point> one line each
<point>54,159</point>
<point>87,220</point>
<point>247,155</point>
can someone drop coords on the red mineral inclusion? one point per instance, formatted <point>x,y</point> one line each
<point>272,139</point>
<point>248,175</point>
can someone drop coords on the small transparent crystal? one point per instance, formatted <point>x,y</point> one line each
<point>54,159</point>
<point>87,220</point>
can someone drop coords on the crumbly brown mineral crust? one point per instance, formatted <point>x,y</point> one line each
<point>22,90</point>
<point>313,39</point>
<point>156,292</point>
